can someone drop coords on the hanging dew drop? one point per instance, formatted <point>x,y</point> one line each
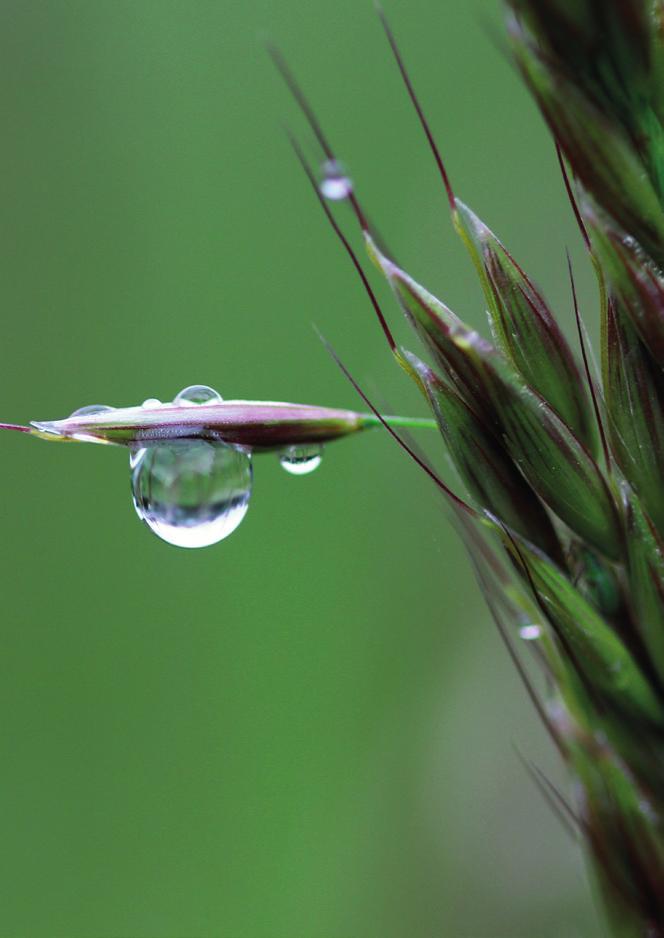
<point>191,493</point>
<point>135,455</point>
<point>198,394</point>
<point>301,460</point>
<point>336,184</point>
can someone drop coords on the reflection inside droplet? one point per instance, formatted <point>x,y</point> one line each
<point>301,459</point>
<point>191,493</point>
<point>530,633</point>
<point>197,394</point>
<point>335,184</point>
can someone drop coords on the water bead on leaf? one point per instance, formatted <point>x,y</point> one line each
<point>197,394</point>
<point>87,411</point>
<point>336,184</point>
<point>91,409</point>
<point>191,493</point>
<point>151,402</point>
<point>301,460</point>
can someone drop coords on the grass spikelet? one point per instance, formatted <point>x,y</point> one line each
<point>522,422</point>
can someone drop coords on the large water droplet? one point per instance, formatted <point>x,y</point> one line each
<point>91,409</point>
<point>191,493</point>
<point>301,459</point>
<point>336,184</point>
<point>198,394</point>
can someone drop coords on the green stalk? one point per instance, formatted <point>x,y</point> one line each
<point>409,423</point>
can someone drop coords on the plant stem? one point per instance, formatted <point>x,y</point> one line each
<point>412,423</point>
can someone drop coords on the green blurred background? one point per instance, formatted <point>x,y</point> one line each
<point>306,731</point>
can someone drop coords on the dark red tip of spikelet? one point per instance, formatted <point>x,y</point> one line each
<point>284,70</point>
<point>344,240</point>
<point>572,199</point>
<point>310,116</point>
<point>552,795</point>
<point>416,104</point>
<point>457,502</point>
<point>15,426</point>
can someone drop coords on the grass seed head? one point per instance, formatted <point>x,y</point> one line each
<point>525,329</point>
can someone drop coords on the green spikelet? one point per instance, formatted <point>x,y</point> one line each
<point>525,329</point>
<point>520,424</point>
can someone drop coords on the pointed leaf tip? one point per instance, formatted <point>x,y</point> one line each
<point>633,278</point>
<point>485,466</point>
<point>459,350</point>
<point>524,327</point>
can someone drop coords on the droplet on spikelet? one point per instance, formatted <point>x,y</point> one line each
<point>197,394</point>
<point>530,633</point>
<point>336,183</point>
<point>301,460</point>
<point>191,493</point>
<point>91,409</point>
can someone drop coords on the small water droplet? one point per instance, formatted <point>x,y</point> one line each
<point>151,402</point>
<point>530,633</point>
<point>198,394</point>
<point>301,459</point>
<point>191,493</point>
<point>90,409</point>
<point>336,183</point>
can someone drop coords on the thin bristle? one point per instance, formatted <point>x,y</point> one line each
<point>569,651</point>
<point>416,104</point>
<point>477,543</point>
<point>553,797</point>
<point>344,240</point>
<point>572,199</point>
<point>310,116</point>
<point>285,71</point>
<point>558,795</point>
<point>518,664</point>
<point>15,426</point>
<point>586,366</point>
<point>458,502</point>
